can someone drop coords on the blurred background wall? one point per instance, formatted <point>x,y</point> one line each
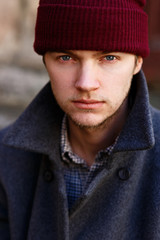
<point>152,63</point>
<point>17,21</point>
<point>22,73</point>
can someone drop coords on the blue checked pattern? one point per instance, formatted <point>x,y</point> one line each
<point>77,174</point>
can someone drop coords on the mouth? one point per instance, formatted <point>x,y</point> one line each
<point>88,104</point>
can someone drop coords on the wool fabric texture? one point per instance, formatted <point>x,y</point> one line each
<point>100,25</point>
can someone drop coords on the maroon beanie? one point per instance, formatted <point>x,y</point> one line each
<point>99,25</point>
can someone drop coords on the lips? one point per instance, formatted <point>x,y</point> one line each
<point>89,104</point>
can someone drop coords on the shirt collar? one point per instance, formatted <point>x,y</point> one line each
<point>66,150</point>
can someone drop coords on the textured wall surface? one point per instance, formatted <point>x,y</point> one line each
<point>152,64</point>
<point>17,21</point>
<point>22,73</point>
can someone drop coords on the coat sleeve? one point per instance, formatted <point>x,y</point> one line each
<point>4,224</point>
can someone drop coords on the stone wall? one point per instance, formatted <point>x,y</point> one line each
<point>17,21</point>
<point>22,73</point>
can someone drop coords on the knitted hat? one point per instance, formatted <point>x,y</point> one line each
<point>99,25</point>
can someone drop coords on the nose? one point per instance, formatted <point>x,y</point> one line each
<point>87,79</point>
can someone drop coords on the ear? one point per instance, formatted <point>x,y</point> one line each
<point>138,65</point>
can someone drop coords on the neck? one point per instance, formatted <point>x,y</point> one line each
<point>87,142</point>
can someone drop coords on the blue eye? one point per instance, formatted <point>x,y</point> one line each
<point>110,58</point>
<point>65,58</point>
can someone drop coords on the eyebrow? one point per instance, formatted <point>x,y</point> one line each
<point>98,53</point>
<point>66,52</point>
<point>101,53</point>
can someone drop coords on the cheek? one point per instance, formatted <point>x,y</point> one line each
<point>58,88</point>
<point>62,80</point>
<point>117,86</point>
<point>61,90</point>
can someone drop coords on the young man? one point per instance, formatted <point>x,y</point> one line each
<point>82,161</point>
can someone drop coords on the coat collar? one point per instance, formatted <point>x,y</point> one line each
<point>138,133</point>
<point>38,128</point>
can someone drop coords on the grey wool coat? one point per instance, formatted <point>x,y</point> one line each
<point>123,201</point>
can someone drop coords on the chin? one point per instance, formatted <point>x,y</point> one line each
<point>89,121</point>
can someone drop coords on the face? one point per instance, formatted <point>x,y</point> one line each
<point>91,86</point>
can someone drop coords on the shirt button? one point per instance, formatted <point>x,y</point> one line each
<point>48,175</point>
<point>123,174</point>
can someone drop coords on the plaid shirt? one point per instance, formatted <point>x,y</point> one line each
<point>77,174</point>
